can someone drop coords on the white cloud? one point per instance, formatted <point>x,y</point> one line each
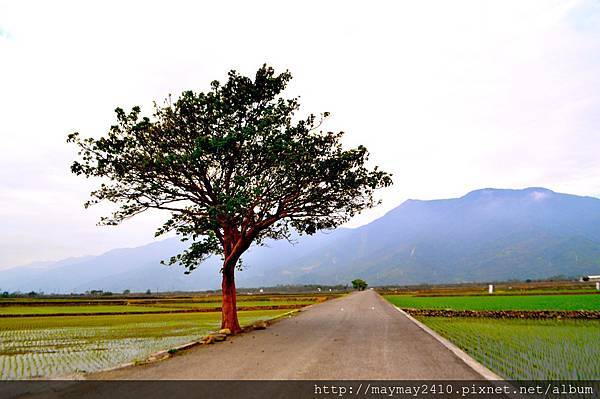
<point>449,96</point>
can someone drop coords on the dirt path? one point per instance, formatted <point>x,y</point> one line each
<point>359,336</point>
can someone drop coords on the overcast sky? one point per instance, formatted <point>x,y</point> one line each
<point>450,96</point>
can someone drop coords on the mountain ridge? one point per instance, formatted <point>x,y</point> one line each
<point>487,234</point>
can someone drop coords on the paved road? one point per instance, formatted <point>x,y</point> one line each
<point>360,336</point>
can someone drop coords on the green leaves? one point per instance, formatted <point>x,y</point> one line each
<point>233,165</point>
<point>359,284</point>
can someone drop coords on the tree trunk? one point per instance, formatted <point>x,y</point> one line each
<point>229,317</point>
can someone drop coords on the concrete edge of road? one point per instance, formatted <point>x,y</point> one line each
<point>468,360</point>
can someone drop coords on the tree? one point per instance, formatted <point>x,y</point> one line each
<point>233,166</point>
<point>359,284</point>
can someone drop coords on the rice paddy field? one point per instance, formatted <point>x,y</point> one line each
<point>527,349</point>
<point>519,348</point>
<point>134,308</point>
<point>506,302</point>
<point>500,288</point>
<point>61,341</point>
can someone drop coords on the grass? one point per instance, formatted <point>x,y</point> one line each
<point>533,302</point>
<point>154,307</point>
<point>165,299</point>
<point>506,288</point>
<point>16,310</point>
<point>192,305</point>
<point>527,349</point>
<point>54,346</point>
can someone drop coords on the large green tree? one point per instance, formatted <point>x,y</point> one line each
<point>232,166</point>
<point>359,284</point>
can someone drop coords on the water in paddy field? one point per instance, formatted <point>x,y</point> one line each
<point>527,349</point>
<point>28,349</point>
<point>63,351</point>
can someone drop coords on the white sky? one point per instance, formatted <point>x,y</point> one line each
<point>449,96</point>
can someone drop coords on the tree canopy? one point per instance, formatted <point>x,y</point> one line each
<point>359,284</point>
<point>233,166</point>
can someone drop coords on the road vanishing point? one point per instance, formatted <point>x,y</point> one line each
<point>356,337</point>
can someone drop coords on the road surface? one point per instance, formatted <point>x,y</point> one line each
<point>359,336</point>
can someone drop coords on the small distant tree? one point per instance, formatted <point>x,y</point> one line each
<point>233,166</point>
<point>126,292</point>
<point>359,284</point>
<point>5,294</point>
<point>148,292</point>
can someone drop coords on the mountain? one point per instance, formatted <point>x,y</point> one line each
<point>139,269</point>
<point>488,234</point>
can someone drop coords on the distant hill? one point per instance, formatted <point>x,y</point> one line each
<point>486,235</point>
<point>139,269</point>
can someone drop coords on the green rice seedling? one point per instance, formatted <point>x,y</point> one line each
<point>57,346</point>
<point>529,349</point>
<point>515,302</point>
